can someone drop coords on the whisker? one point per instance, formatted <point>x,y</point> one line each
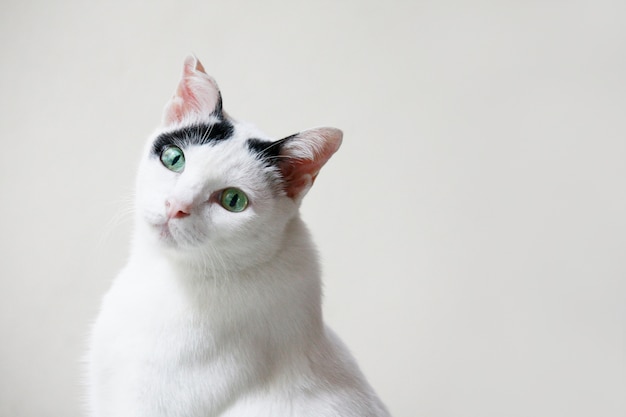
<point>122,214</point>
<point>294,158</point>
<point>275,143</point>
<point>207,133</point>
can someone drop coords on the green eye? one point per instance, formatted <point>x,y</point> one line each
<point>233,199</point>
<point>173,158</point>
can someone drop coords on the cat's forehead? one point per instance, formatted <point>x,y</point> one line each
<point>199,133</point>
<point>209,132</point>
<point>219,152</point>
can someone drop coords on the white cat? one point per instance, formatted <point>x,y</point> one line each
<point>218,310</point>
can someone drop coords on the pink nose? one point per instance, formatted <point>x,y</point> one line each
<point>176,209</point>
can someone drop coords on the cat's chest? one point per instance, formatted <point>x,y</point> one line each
<point>155,317</point>
<point>151,345</point>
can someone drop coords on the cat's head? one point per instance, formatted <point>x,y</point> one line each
<point>212,187</point>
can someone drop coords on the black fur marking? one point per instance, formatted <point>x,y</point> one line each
<point>264,148</point>
<point>267,150</point>
<point>200,134</point>
<point>219,106</point>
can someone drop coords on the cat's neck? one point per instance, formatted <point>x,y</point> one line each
<point>283,291</point>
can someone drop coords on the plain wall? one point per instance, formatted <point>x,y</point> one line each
<point>472,227</point>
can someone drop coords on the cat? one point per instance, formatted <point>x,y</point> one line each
<point>218,309</point>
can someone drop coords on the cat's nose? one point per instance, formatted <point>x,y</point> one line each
<point>177,209</point>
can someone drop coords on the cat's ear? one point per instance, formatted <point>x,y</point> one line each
<point>302,155</point>
<point>197,94</point>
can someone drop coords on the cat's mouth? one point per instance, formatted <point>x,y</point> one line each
<point>164,231</point>
<point>161,229</point>
<point>171,235</point>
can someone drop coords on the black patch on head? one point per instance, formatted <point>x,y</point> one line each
<point>266,150</point>
<point>219,106</point>
<point>200,134</point>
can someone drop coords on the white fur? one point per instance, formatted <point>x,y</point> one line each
<point>219,313</point>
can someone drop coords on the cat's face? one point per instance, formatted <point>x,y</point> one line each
<point>218,198</point>
<point>219,190</point>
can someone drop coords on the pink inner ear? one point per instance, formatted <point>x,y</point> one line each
<point>299,171</point>
<point>175,112</point>
<point>197,93</point>
<point>299,176</point>
<point>191,68</point>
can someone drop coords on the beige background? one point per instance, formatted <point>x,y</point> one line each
<point>472,228</point>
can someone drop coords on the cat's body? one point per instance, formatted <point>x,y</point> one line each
<point>218,311</point>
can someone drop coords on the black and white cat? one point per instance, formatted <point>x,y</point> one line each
<point>218,310</point>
